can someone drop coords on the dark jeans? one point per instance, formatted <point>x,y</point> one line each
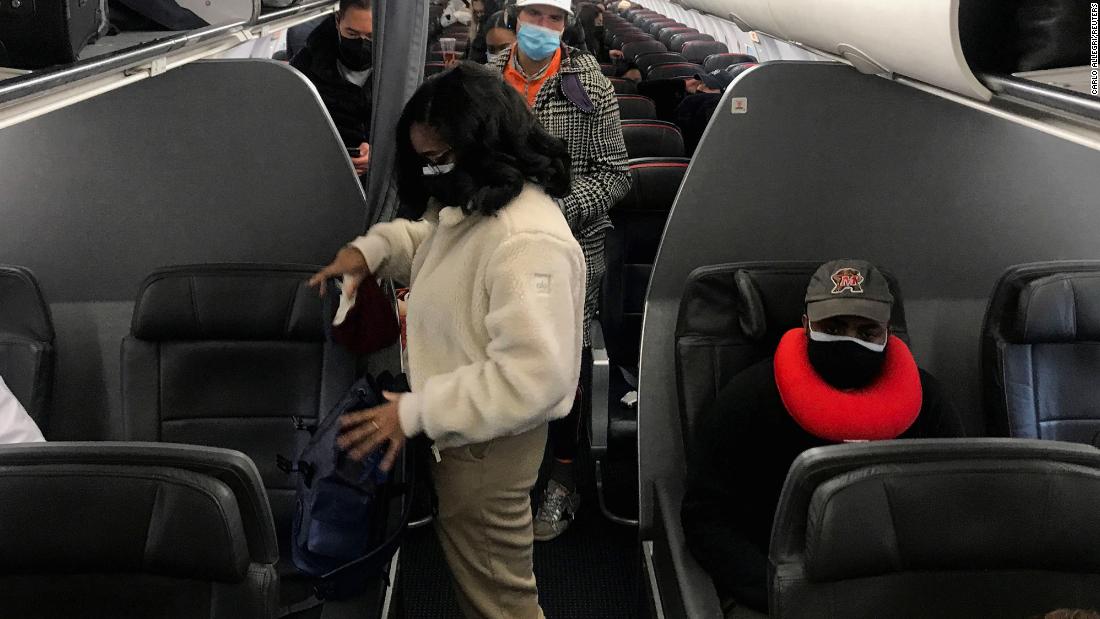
<point>565,433</point>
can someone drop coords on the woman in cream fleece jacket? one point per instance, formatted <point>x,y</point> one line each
<point>495,321</point>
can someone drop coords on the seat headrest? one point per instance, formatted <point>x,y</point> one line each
<point>1056,307</point>
<point>863,510</point>
<point>230,302</point>
<point>103,518</point>
<point>771,298</point>
<point>23,309</point>
<point>655,182</point>
<point>674,70</point>
<point>652,138</point>
<point>185,495</point>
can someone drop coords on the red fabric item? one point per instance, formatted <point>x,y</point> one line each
<point>371,324</point>
<point>882,410</point>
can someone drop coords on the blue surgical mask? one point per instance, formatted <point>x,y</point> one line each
<point>538,43</point>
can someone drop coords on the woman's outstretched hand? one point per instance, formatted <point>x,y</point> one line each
<point>348,261</point>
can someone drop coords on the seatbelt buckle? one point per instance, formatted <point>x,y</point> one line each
<point>303,423</point>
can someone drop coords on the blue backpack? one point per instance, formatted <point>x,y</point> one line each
<point>350,515</point>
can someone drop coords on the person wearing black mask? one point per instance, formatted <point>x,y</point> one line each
<point>495,321</point>
<point>840,377</point>
<point>339,58</point>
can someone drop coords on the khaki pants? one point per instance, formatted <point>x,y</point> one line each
<point>485,527</point>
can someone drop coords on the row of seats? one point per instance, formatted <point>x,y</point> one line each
<point>225,356</point>
<point>657,167</point>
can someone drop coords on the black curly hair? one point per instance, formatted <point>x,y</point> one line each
<point>497,143</point>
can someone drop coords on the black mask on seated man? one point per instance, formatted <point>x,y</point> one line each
<point>356,54</point>
<point>845,365</point>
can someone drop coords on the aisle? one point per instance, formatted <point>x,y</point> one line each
<point>590,572</point>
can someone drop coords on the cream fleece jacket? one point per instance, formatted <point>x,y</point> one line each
<point>495,315</point>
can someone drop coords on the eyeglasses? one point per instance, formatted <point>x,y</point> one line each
<point>438,165</point>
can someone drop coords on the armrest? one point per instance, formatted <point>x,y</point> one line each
<point>597,396</point>
<point>685,589</point>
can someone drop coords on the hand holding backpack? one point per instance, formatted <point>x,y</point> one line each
<point>350,515</point>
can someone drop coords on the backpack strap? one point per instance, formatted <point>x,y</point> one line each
<point>574,91</point>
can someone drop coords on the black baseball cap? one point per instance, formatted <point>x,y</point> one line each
<point>848,288</point>
<point>717,79</point>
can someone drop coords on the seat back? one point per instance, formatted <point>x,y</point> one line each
<point>654,27</point>
<point>652,138</point>
<point>631,248</point>
<point>698,51</point>
<point>1041,352</point>
<point>673,70</point>
<point>134,530</point>
<point>646,62</point>
<point>664,35</point>
<point>634,49</point>
<point>227,356</point>
<point>26,342</point>
<point>732,316</point>
<point>623,86</point>
<point>994,527</point>
<point>724,61</point>
<point>636,107</point>
<point>678,41</point>
<point>620,39</point>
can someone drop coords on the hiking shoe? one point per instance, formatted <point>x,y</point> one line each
<point>558,509</point>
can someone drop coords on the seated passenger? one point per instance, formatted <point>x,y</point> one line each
<point>703,95</point>
<point>841,377</point>
<point>338,59</point>
<point>590,16</point>
<point>16,426</point>
<point>494,41</point>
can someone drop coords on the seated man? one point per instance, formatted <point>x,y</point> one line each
<point>841,377</point>
<point>704,92</point>
<point>16,426</point>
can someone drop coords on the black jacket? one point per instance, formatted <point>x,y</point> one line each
<point>693,115</point>
<point>743,447</point>
<point>348,105</point>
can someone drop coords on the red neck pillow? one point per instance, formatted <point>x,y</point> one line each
<point>882,410</point>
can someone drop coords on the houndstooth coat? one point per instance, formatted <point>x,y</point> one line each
<point>587,118</point>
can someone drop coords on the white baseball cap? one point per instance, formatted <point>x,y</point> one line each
<point>565,5</point>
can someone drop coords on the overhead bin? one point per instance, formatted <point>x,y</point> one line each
<point>919,39</point>
<point>223,11</point>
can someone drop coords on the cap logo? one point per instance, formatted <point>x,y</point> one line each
<point>847,280</point>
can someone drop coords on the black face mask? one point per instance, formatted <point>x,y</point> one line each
<point>356,54</point>
<point>845,365</point>
<point>598,31</point>
<point>450,189</point>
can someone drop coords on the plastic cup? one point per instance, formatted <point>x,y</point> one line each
<point>447,46</point>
